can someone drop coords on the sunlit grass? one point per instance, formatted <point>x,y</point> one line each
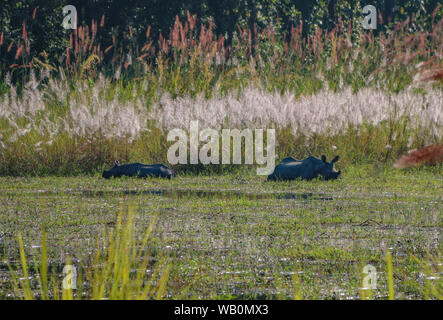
<point>360,94</point>
<point>232,236</point>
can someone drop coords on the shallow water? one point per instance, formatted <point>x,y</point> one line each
<point>185,193</point>
<point>243,243</point>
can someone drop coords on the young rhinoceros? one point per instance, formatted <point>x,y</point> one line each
<point>138,170</point>
<point>307,169</point>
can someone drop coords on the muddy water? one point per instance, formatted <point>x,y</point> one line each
<point>246,248</point>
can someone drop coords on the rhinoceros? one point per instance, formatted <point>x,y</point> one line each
<point>307,169</point>
<point>138,170</point>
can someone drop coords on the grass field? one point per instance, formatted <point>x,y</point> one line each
<point>237,236</point>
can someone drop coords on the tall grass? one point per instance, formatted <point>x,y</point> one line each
<point>49,131</point>
<point>390,276</point>
<point>192,59</point>
<point>118,271</point>
<point>431,269</point>
<point>340,91</point>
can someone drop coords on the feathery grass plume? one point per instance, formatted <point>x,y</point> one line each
<point>37,62</point>
<point>323,112</point>
<point>109,111</point>
<point>315,87</point>
<point>430,155</point>
<point>18,52</point>
<point>108,48</point>
<point>435,74</point>
<point>68,58</point>
<point>92,59</point>
<point>10,46</point>
<point>316,53</point>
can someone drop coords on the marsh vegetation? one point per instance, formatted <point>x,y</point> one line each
<point>234,236</point>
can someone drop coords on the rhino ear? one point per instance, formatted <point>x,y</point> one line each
<point>323,158</point>
<point>116,163</point>
<point>335,159</point>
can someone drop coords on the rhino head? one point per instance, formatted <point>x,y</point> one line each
<point>109,173</point>
<point>326,169</point>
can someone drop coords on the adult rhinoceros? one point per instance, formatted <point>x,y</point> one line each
<point>307,169</point>
<point>138,170</point>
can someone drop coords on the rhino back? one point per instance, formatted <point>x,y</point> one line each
<point>290,159</point>
<point>155,170</point>
<point>294,170</point>
<point>131,169</point>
